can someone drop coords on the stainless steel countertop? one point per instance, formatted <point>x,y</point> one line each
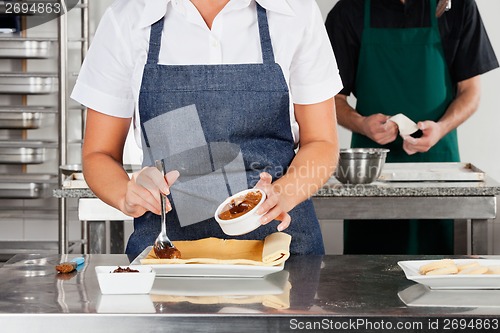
<point>33,297</point>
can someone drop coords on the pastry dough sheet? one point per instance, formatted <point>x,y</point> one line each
<point>272,251</point>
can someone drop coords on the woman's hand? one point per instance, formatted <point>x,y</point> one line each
<point>273,206</point>
<point>143,191</point>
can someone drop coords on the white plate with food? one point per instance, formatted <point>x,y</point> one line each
<point>422,296</point>
<point>467,273</point>
<point>209,270</point>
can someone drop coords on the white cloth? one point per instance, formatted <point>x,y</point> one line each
<point>110,77</point>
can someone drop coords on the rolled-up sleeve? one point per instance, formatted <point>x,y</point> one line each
<point>104,82</point>
<point>314,76</point>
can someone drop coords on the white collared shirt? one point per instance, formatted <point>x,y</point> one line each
<point>110,78</point>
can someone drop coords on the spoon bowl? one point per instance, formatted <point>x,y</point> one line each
<point>163,247</point>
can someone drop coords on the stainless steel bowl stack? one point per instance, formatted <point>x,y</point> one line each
<point>360,165</point>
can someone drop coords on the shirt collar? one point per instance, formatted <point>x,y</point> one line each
<point>153,11</point>
<point>156,9</point>
<point>278,6</point>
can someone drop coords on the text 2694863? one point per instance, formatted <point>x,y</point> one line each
<point>32,7</point>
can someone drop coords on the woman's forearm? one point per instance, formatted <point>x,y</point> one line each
<point>106,178</point>
<point>317,156</point>
<point>102,153</point>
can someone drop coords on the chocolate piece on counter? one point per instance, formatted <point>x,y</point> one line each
<point>66,267</point>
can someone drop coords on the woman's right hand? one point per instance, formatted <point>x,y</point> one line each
<point>143,191</point>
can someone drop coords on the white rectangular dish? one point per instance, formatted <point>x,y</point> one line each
<point>217,270</point>
<point>127,282</point>
<point>452,281</point>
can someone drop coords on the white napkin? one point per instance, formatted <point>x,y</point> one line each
<point>406,125</point>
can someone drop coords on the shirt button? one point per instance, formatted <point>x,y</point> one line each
<point>215,43</point>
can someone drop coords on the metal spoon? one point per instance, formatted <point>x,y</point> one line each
<point>163,247</point>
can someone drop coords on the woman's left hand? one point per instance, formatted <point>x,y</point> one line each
<point>273,206</point>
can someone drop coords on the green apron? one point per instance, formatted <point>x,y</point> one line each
<point>403,70</point>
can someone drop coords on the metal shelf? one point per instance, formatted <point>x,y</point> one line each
<point>63,240</point>
<point>18,119</point>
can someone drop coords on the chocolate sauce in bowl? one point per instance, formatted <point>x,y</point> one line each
<point>240,206</point>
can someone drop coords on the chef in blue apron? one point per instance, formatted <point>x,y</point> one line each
<point>415,58</point>
<point>192,75</point>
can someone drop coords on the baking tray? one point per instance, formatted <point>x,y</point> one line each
<point>22,117</point>
<point>408,172</point>
<point>70,169</point>
<point>28,83</point>
<point>24,151</point>
<point>75,180</point>
<point>26,48</point>
<point>26,186</point>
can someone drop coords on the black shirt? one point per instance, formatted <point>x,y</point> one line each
<point>466,45</point>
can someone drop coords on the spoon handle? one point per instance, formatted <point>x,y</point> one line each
<point>163,213</point>
<point>160,166</point>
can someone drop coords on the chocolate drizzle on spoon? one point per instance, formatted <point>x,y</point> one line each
<point>163,247</point>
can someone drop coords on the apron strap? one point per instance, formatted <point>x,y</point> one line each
<point>368,6</point>
<point>434,20</point>
<point>367,19</point>
<point>265,37</point>
<point>155,41</point>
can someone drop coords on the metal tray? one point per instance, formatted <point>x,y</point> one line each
<point>23,152</point>
<point>8,249</point>
<point>22,117</point>
<point>433,171</point>
<point>28,83</point>
<point>26,48</point>
<point>26,186</point>
<point>71,169</point>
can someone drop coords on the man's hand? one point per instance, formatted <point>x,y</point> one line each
<point>377,128</point>
<point>431,134</point>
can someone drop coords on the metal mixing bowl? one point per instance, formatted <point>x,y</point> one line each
<point>360,165</point>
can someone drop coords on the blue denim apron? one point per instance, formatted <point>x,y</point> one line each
<point>242,104</point>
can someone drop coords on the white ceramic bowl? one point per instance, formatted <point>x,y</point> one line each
<point>125,283</point>
<point>242,224</point>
